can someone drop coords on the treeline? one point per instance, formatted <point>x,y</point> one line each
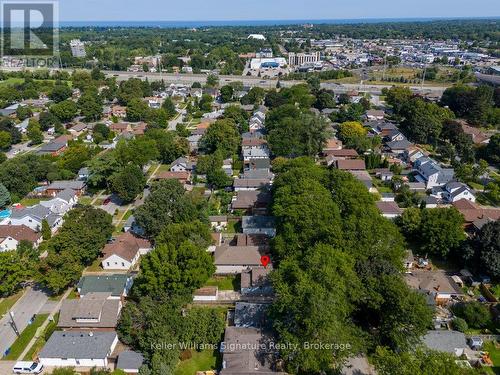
<point>156,312</point>
<point>323,75</point>
<point>338,278</point>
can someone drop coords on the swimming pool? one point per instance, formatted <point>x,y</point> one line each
<point>4,214</point>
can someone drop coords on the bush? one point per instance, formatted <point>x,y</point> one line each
<point>474,313</point>
<point>459,324</point>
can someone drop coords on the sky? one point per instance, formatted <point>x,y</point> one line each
<point>209,10</point>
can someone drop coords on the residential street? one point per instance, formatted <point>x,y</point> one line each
<point>27,306</point>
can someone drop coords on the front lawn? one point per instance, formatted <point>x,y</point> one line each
<point>23,340</point>
<point>199,361</point>
<point>8,302</point>
<point>494,352</point>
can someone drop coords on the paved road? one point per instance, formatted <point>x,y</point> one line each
<point>189,79</point>
<point>27,306</point>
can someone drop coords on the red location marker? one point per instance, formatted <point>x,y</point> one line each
<point>264,260</point>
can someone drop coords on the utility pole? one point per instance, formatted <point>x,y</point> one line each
<point>13,323</point>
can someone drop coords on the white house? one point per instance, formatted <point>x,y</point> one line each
<point>62,202</point>
<point>124,252</point>
<point>12,235</point>
<point>33,217</point>
<point>181,165</point>
<point>78,349</point>
<point>430,172</point>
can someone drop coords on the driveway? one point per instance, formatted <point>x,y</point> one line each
<point>28,305</point>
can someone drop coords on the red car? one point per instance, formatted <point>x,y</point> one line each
<point>106,201</point>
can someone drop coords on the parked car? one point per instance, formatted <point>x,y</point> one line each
<point>106,201</point>
<point>24,367</point>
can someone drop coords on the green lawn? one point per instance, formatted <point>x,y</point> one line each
<point>85,200</point>
<point>233,227</point>
<point>40,341</point>
<point>11,81</point>
<point>30,201</point>
<point>225,282</point>
<point>95,266</point>
<point>164,168</point>
<point>29,332</point>
<point>7,302</point>
<point>200,361</point>
<point>494,351</point>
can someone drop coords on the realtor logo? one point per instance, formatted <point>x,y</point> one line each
<point>30,29</point>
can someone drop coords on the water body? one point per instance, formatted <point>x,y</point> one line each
<point>194,24</point>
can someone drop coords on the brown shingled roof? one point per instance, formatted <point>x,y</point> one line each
<point>126,246</point>
<point>19,233</point>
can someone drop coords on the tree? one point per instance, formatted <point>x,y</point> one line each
<point>47,120</point>
<point>212,80</point>
<point>324,100</point>
<point>485,250</point>
<point>492,151</point>
<point>166,204</point>
<point>90,106</point>
<point>474,313</point>
<point>46,231</point>
<point>23,113</point>
<point>421,361</point>
<point>65,111</point>
<point>5,140</point>
<point>34,132</point>
<point>172,269</point>
<point>128,183</point>
<point>423,121</point>
<point>206,103</point>
<point>441,230</point>
<point>13,271</point>
<point>350,132</point>
<point>169,106</point>
<point>226,93</point>
<point>137,110</point>
<point>60,92</point>
<point>221,136</point>
<point>169,145</point>
<point>303,135</point>
<point>459,324</point>
<point>138,151</point>
<point>4,196</point>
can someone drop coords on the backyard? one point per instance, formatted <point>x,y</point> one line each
<point>199,361</point>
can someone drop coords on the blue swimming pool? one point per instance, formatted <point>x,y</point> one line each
<point>4,214</point>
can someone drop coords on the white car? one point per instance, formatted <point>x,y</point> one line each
<point>23,367</point>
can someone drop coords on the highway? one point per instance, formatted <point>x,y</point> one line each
<point>189,79</point>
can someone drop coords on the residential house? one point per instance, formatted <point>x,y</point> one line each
<point>235,259</point>
<point>453,191</point>
<point>473,212</point>
<point>365,178</point>
<point>432,173</point>
<point>57,187</point>
<point>183,177</point>
<point>117,285</point>
<point>245,184</point>
<point>252,202</point>
<point>255,281</point>
<point>332,144</point>
<point>452,342</point>
<point>437,282</point>
<point>259,225</point>
<point>78,349</point>
<point>130,362</point>
<point>62,202</point>
<point>478,136</point>
<point>384,174</point>
<point>83,174</point>
<point>412,154</point>
<point>258,164</point>
<point>12,235</point>
<point>250,315</point>
<point>33,217</point>
<point>394,136</point>
<point>218,222</point>
<point>389,210</point>
<point>124,252</point>
<point>254,148</point>
<point>227,167</point>
<point>119,111</point>
<point>375,115</point>
<point>243,352</point>
<point>181,165</point>
<point>95,311</point>
<point>52,148</point>
<point>350,164</point>
<point>399,147</point>
<point>77,129</point>
<point>345,153</point>
<point>194,140</point>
